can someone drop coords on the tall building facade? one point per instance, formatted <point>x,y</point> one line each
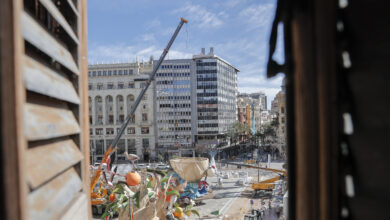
<point>174,108</point>
<point>216,97</point>
<point>113,89</point>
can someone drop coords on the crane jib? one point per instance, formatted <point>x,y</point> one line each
<point>151,78</point>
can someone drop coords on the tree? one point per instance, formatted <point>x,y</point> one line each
<point>237,130</point>
<point>267,132</point>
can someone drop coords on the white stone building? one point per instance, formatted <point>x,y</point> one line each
<point>113,88</point>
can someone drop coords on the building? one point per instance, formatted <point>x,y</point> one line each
<point>174,107</point>
<point>250,108</point>
<point>113,88</point>
<point>216,98</point>
<point>195,103</point>
<point>280,109</point>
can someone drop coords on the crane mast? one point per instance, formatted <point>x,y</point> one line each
<point>148,82</point>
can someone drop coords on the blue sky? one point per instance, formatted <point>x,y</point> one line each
<point>120,30</point>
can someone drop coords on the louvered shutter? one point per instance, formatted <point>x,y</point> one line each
<point>51,108</point>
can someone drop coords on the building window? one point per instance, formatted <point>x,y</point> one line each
<point>99,147</point>
<point>120,72</point>
<point>142,85</point>
<point>132,119</point>
<point>145,142</point>
<point>94,73</point>
<point>131,85</point>
<point>110,119</point>
<point>282,110</point>
<point>100,120</point>
<point>144,130</point>
<point>109,72</point>
<point>131,130</point>
<point>120,85</point>
<point>99,73</point>
<point>109,131</point>
<point>114,72</point>
<point>104,73</point>
<point>144,116</point>
<point>121,118</point>
<point>131,146</point>
<point>125,72</point>
<point>90,131</point>
<point>99,131</point>
<point>100,86</point>
<point>110,86</point>
<point>131,72</point>
<point>90,87</point>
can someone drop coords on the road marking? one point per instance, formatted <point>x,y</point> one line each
<point>230,202</point>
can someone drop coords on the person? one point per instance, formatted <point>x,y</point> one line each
<point>220,182</point>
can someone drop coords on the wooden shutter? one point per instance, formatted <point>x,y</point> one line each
<point>44,123</point>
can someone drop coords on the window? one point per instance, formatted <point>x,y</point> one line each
<point>110,119</point>
<point>104,73</point>
<point>121,118</point>
<point>100,86</point>
<point>90,87</point>
<point>110,86</point>
<point>100,120</point>
<point>90,131</point>
<point>120,72</point>
<point>99,73</point>
<point>142,85</point>
<point>99,131</point>
<point>131,130</point>
<point>125,72</point>
<point>144,130</point>
<point>145,142</point>
<point>131,72</point>
<point>109,72</point>
<point>144,116</point>
<point>120,85</point>
<point>94,73</point>
<point>114,72</point>
<point>132,119</point>
<point>131,146</point>
<point>131,85</point>
<point>109,131</point>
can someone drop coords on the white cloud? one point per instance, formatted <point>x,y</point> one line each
<point>200,16</point>
<point>256,16</point>
<point>148,37</point>
<point>125,53</point>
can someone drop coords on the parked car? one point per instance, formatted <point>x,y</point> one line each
<point>143,166</point>
<point>162,166</point>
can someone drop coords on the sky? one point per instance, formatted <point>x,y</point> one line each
<point>238,30</point>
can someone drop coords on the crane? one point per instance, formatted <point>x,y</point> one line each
<point>111,150</point>
<point>148,82</point>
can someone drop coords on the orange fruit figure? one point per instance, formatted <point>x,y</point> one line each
<point>111,198</point>
<point>178,213</point>
<point>169,197</point>
<point>133,178</point>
